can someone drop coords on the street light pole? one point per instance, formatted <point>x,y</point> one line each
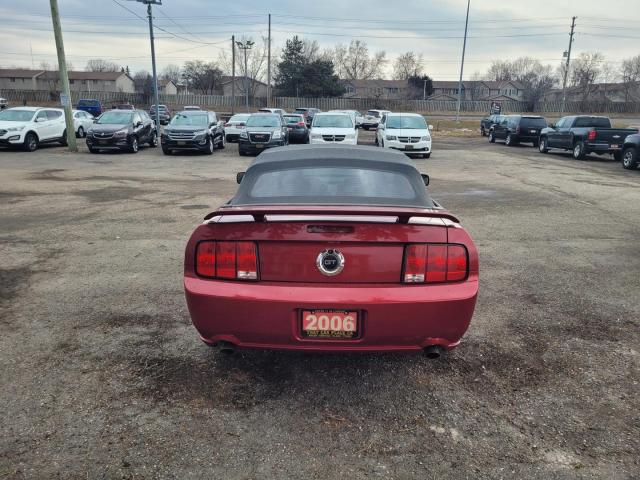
<point>246,45</point>
<point>464,46</point>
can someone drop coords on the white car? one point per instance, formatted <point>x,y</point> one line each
<point>328,127</point>
<point>191,107</point>
<point>355,115</point>
<point>82,121</point>
<point>27,127</point>
<point>372,118</point>
<point>279,111</point>
<point>407,132</point>
<point>235,126</point>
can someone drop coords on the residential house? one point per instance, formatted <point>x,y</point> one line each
<point>387,89</point>
<point>256,87</point>
<point>478,90</point>
<point>24,79</point>
<point>599,92</point>
<point>167,87</point>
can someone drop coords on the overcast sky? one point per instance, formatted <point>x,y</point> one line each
<point>498,29</point>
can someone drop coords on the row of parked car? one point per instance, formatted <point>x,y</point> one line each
<point>579,134</point>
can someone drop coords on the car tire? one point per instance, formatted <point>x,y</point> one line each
<point>630,158</point>
<point>578,150</point>
<point>133,145</point>
<point>617,156</point>
<point>376,141</point>
<point>483,132</point>
<point>210,147</point>
<point>166,151</point>
<point>542,145</point>
<point>81,133</point>
<point>382,143</point>
<point>222,142</point>
<point>30,142</point>
<point>492,137</point>
<point>535,143</point>
<point>93,150</point>
<point>366,128</point>
<point>508,141</point>
<point>242,153</point>
<point>63,139</point>
<point>426,155</point>
<point>153,140</point>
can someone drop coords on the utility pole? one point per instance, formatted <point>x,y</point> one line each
<point>246,46</point>
<point>233,74</point>
<point>424,90</point>
<point>148,3</point>
<point>269,66</point>
<point>65,97</point>
<point>566,68</point>
<point>464,46</point>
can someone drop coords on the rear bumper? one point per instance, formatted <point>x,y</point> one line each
<point>603,148</point>
<point>393,318</point>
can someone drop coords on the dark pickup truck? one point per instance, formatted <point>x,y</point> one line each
<point>584,134</point>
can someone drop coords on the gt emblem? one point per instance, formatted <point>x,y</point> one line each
<point>330,262</point>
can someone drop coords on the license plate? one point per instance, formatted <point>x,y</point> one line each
<point>409,147</point>
<point>258,146</point>
<point>289,128</point>
<point>336,324</point>
<point>182,143</point>
<point>103,142</point>
<point>615,146</point>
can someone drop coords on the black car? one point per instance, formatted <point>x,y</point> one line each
<point>514,129</point>
<point>194,130</point>
<point>488,122</point>
<point>297,128</point>
<point>164,113</point>
<point>631,152</point>
<point>122,130</point>
<point>307,113</point>
<point>262,130</point>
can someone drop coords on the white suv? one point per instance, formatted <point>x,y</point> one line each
<point>407,132</point>
<point>329,127</point>
<point>372,118</point>
<point>27,127</point>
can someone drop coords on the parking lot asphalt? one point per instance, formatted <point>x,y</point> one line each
<point>104,377</point>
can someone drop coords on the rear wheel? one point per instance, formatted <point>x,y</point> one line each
<point>153,140</point>
<point>81,132</point>
<point>93,150</point>
<point>222,142</point>
<point>133,145</point>
<point>492,137</point>
<point>630,158</point>
<point>210,146</point>
<point>483,132</point>
<point>617,156</point>
<point>63,139</point>
<point>242,153</point>
<point>30,142</point>
<point>376,141</point>
<point>509,140</point>
<point>535,143</point>
<point>166,151</point>
<point>542,145</point>
<point>578,150</point>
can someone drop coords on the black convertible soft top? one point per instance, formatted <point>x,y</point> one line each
<point>332,175</point>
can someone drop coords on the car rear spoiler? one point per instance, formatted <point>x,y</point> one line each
<point>261,213</point>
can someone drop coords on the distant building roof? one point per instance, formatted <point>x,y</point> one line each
<point>374,83</point>
<point>19,73</point>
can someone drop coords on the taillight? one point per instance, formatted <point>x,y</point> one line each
<point>228,260</point>
<point>435,263</point>
<point>592,135</point>
<point>301,124</point>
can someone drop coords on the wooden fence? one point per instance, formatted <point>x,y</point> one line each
<point>226,104</point>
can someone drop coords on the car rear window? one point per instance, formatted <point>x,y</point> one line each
<point>373,113</point>
<point>293,118</point>
<point>333,185</point>
<point>89,103</point>
<point>598,122</point>
<point>533,122</point>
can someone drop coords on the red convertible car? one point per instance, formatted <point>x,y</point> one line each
<point>329,248</point>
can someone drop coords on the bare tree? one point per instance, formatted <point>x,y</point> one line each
<point>354,62</point>
<point>201,76</point>
<point>256,65</point>
<point>500,70</point>
<point>584,72</point>
<point>171,72</point>
<point>101,65</point>
<point>408,65</point>
<point>143,82</point>
<point>536,79</point>
<point>630,73</point>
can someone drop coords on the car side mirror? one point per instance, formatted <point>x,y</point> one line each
<point>239,177</point>
<point>425,179</point>
<point>138,124</point>
<point>430,127</point>
<point>40,119</point>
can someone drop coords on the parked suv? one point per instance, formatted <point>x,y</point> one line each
<point>165,114</point>
<point>307,113</point>
<point>122,130</point>
<point>193,130</point>
<point>488,122</point>
<point>90,105</point>
<point>372,118</point>
<point>262,130</point>
<point>514,129</point>
<point>28,127</point>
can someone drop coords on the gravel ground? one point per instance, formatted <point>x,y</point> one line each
<point>104,377</point>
